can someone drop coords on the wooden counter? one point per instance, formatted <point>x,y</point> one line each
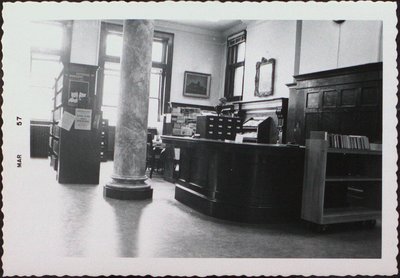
<point>246,182</point>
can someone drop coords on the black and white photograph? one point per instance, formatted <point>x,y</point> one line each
<point>248,139</point>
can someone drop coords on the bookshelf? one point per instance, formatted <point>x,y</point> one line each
<point>340,185</point>
<point>75,147</point>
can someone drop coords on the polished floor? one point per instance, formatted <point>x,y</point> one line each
<point>77,221</point>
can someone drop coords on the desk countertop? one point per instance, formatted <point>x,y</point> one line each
<point>220,143</point>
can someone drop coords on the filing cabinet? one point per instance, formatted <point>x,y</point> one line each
<point>218,127</point>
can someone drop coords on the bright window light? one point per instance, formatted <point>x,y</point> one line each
<point>237,87</point>
<point>44,72</point>
<point>157,55</point>
<point>46,36</point>
<point>114,45</point>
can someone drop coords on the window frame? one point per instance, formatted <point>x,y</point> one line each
<point>168,38</point>
<point>232,64</point>
<point>64,53</point>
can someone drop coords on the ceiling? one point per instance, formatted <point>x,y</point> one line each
<point>214,25</point>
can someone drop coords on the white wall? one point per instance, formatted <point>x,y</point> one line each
<point>324,45</point>
<point>360,43</point>
<point>270,39</point>
<point>328,45</point>
<point>85,42</point>
<point>195,50</point>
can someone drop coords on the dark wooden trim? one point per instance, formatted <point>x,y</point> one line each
<point>254,101</point>
<point>202,107</point>
<point>169,38</point>
<point>230,69</point>
<point>105,28</point>
<point>340,71</point>
<point>41,122</point>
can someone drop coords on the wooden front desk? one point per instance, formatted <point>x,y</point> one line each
<point>246,182</point>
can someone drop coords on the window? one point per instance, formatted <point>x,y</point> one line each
<point>109,76</point>
<point>48,49</point>
<point>234,76</point>
<point>160,82</point>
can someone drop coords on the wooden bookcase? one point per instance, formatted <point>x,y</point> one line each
<point>75,151</point>
<point>341,185</point>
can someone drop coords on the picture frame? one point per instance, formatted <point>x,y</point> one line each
<point>264,80</point>
<point>196,84</point>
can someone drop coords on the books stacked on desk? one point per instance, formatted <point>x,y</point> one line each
<point>340,141</point>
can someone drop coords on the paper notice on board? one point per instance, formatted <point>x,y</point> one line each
<point>167,118</point>
<point>67,120</point>
<point>83,119</point>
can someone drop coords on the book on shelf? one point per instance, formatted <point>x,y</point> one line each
<point>341,141</point>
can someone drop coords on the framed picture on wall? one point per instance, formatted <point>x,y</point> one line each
<point>196,84</point>
<point>264,81</point>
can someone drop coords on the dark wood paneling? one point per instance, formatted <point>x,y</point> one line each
<point>329,121</point>
<point>369,96</point>
<point>313,100</point>
<point>347,101</point>
<point>311,123</point>
<point>329,98</point>
<point>295,118</point>
<point>349,97</point>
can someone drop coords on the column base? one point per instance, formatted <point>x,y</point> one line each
<point>138,190</point>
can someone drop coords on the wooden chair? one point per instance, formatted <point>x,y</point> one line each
<point>154,158</point>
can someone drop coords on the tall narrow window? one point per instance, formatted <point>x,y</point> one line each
<point>160,82</point>
<point>234,76</point>
<point>109,75</point>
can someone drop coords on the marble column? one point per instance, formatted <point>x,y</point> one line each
<point>128,178</point>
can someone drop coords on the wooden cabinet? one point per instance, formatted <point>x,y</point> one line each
<point>344,101</point>
<point>341,185</point>
<point>75,148</point>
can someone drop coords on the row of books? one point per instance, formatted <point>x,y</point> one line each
<point>358,142</point>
